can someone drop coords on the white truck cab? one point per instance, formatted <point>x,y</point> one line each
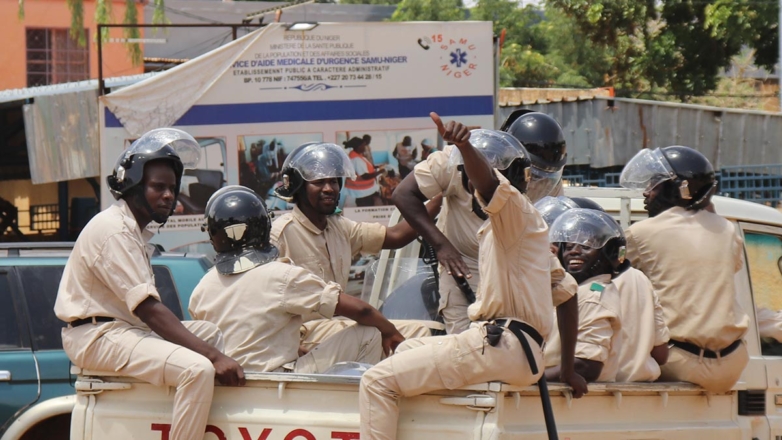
<point>276,406</point>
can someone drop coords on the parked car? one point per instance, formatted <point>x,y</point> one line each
<point>33,365</point>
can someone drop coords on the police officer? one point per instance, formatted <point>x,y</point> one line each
<point>325,243</point>
<point>514,296</point>
<point>107,294</point>
<point>641,314</point>
<point>261,325</point>
<point>591,247</point>
<point>544,139</point>
<point>454,236</point>
<point>690,255</point>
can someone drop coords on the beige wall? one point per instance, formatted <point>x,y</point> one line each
<point>22,193</point>
<point>55,14</point>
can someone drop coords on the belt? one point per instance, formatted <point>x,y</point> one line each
<point>694,349</point>
<point>93,320</point>
<point>515,326</point>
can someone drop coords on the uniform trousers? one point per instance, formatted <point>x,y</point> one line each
<point>440,362</point>
<point>137,352</point>
<point>357,343</point>
<point>715,375</point>
<point>316,331</point>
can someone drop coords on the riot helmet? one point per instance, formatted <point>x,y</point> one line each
<point>544,139</point>
<point>586,203</point>
<point>239,228</point>
<point>687,178</point>
<point>503,152</point>
<point>593,230</point>
<point>552,207</point>
<point>313,161</point>
<point>169,144</point>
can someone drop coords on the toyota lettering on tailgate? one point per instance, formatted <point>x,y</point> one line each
<point>296,434</point>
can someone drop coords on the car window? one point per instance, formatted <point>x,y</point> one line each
<point>10,337</point>
<point>40,284</point>
<point>167,290</point>
<point>764,253</point>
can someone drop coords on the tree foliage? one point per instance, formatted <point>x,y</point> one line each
<point>429,10</point>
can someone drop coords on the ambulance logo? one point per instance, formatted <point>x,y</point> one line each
<point>458,56</point>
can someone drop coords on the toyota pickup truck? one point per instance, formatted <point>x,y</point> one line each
<point>275,406</point>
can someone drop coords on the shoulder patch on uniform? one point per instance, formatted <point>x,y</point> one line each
<point>597,287</point>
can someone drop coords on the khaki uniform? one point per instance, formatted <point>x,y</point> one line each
<point>514,262</point>
<point>459,224</point>
<point>690,258</point>
<point>261,324</point>
<point>769,324</point>
<point>599,328</point>
<point>643,327</point>
<point>328,254</point>
<point>109,274</point>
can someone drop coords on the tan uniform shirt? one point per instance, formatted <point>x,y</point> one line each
<point>643,327</point>
<point>327,253</point>
<point>457,220</point>
<point>108,272</point>
<point>770,323</point>
<point>514,261</point>
<point>691,258</point>
<point>599,328</point>
<point>260,311</point>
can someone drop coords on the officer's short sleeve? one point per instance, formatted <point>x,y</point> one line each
<point>435,174</point>
<point>304,293</point>
<point>661,333</point>
<point>123,267</point>
<point>365,237</point>
<point>633,252</point>
<point>508,211</point>
<point>738,252</point>
<point>563,285</point>
<point>594,332</point>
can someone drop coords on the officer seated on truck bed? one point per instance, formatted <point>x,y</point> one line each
<point>324,242</point>
<point>591,247</point>
<point>107,294</point>
<point>691,255</point>
<point>512,312</point>
<point>258,301</point>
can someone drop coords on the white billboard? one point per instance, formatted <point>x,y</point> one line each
<point>368,86</point>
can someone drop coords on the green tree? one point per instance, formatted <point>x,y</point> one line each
<point>429,10</point>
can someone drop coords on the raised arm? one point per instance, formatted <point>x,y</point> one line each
<point>403,232</point>
<point>476,166</point>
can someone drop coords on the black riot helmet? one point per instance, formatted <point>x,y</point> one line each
<point>313,161</point>
<point>687,177</point>
<point>162,144</point>
<point>544,139</point>
<point>592,229</point>
<point>586,203</point>
<point>239,228</point>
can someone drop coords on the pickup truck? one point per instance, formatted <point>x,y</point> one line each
<point>36,387</point>
<point>276,406</point>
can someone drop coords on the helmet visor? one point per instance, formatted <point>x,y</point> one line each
<point>585,227</point>
<point>646,170</point>
<point>552,207</point>
<point>543,183</point>
<point>500,148</point>
<point>320,161</point>
<point>185,146</point>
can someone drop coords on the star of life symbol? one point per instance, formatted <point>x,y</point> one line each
<point>458,57</point>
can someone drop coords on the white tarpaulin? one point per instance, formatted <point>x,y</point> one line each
<point>367,86</point>
<point>62,136</point>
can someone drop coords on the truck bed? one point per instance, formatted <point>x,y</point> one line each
<point>287,406</point>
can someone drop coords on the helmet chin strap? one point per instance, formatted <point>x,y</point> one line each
<point>156,217</point>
